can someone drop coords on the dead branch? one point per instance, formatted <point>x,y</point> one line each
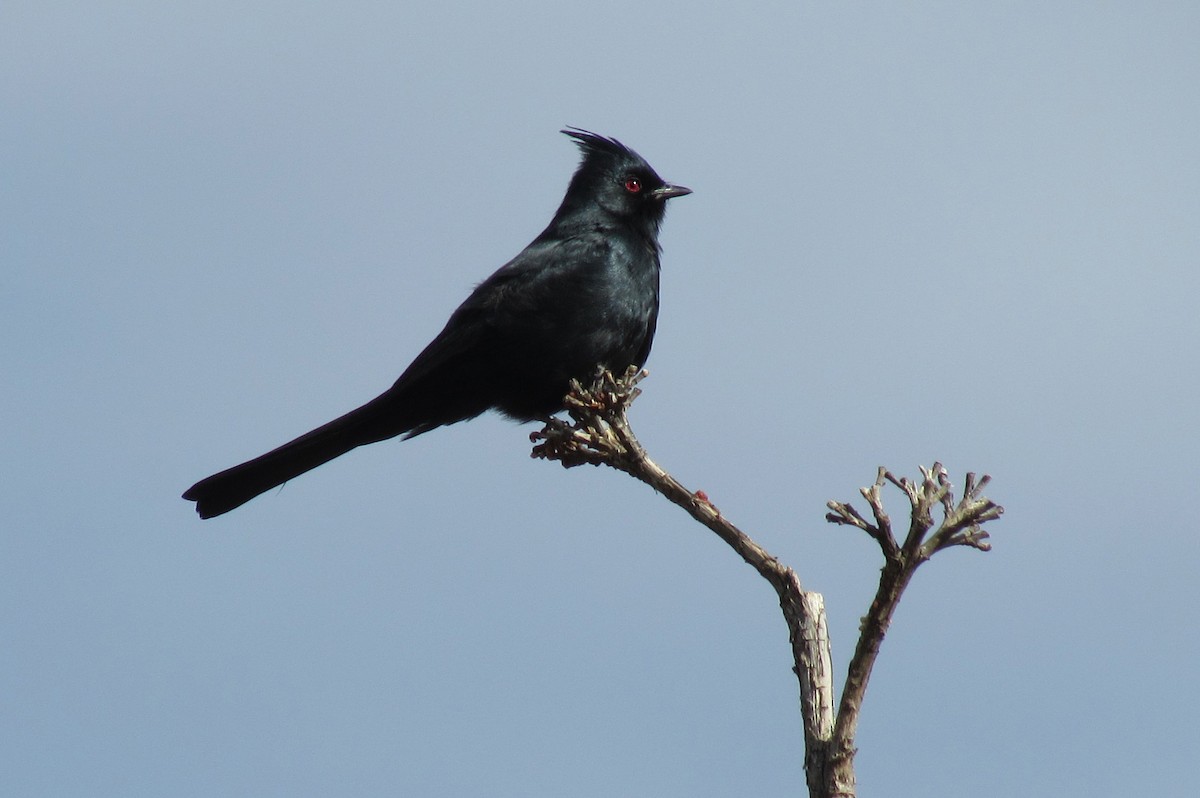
<point>598,433</point>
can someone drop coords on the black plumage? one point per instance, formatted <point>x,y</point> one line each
<point>583,294</point>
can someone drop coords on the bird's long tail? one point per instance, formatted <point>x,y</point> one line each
<point>235,486</point>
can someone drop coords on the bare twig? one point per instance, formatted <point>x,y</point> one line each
<point>599,434</point>
<point>960,526</point>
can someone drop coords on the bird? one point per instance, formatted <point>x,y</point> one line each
<point>583,295</point>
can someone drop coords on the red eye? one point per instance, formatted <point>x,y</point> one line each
<point>633,185</point>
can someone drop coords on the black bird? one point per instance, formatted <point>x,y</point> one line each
<point>583,294</point>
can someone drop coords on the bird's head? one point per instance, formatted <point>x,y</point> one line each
<point>615,179</point>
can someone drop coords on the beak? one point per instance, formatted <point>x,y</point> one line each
<point>666,191</point>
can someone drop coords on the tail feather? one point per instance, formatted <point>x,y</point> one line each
<point>233,487</point>
<point>429,394</point>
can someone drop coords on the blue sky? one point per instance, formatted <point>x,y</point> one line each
<point>936,231</point>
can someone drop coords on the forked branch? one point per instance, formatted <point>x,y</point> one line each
<point>598,433</point>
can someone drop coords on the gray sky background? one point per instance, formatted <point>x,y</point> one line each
<point>965,232</point>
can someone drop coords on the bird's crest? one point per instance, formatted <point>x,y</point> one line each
<point>593,143</point>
